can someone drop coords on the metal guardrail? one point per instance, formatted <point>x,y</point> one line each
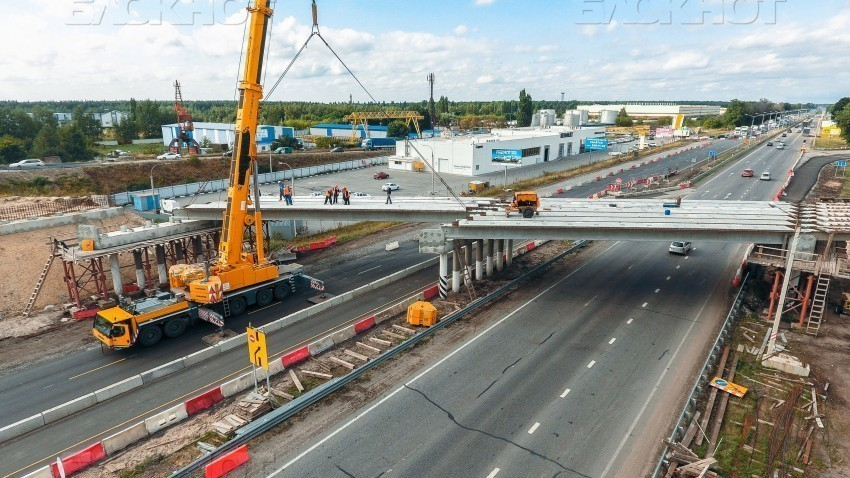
<point>704,376</point>
<point>283,413</point>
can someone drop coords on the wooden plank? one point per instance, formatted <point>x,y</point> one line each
<point>356,355</point>
<point>691,431</point>
<point>317,374</point>
<point>718,420</point>
<point>404,329</point>
<point>393,335</point>
<point>369,347</point>
<point>345,364</point>
<point>295,380</point>
<point>712,396</point>
<point>378,341</point>
<point>281,393</point>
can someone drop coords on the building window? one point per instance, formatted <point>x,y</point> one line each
<point>531,152</point>
<point>567,134</point>
<point>561,150</point>
<point>476,167</point>
<point>397,163</point>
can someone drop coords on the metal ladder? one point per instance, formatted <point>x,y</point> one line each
<point>467,277</point>
<point>40,280</point>
<point>225,307</point>
<point>818,305</point>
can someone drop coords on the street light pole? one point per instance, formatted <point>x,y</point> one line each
<point>153,192</point>
<point>291,177</point>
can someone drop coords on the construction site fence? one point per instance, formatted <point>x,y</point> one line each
<point>705,375</point>
<point>182,190</point>
<point>54,207</point>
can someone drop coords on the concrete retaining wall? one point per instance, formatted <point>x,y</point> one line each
<point>231,388</point>
<point>53,221</point>
<point>320,345</point>
<point>201,356</point>
<point>124,438</point>
<point>166,418</point>
<point>69,408</point>
<point>20,427</point>
<point>162,370</point>
<point>118,388</point>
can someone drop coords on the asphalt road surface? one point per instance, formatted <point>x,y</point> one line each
<point>585,379</point>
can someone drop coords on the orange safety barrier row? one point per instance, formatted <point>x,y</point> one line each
<point>79,460</point>
<point>204,401</point>
<point>428,293</point>
<point>365,324</point>
<point>229,462</point>
<point>295,357</point>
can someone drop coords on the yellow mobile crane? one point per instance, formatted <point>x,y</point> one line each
<point>238,278</point>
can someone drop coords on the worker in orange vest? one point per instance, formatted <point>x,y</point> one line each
<point>329,195</point>
<point>346,196</point>
<point>287,194</point>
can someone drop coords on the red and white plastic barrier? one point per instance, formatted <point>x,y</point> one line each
<point>227,463</point>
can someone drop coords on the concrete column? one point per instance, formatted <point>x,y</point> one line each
<point>479,259</point>
<point>500,260</point>
<point>179,252</point>
<point>488,255</point>
<point>455,268</point>
<point>198,248</point>
<point>467,259</point>
<point>161,271</point>
<point>140,269</point>
<point>443,284</point>
<point>509,250</point>
<point>115,269</point>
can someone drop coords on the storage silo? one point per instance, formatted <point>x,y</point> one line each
<point>535,119</point>
<point>585,116</point>
<point>608,117</point>
<point>572,118</point>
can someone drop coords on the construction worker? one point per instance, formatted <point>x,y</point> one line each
<point>346,196</point>
<point>287,194</point>
<point>389,196</point>
<point>329,195</point>
<point>280,185</point>
<point>336,193</point>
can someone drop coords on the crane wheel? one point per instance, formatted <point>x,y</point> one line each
<point>174,328</point>
<point>150,335</point>
<point>281,291</point>
<point>528,213</point>
<point>264,297</point>
<point>238,306</point>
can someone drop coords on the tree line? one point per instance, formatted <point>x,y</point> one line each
<point>840,112</point>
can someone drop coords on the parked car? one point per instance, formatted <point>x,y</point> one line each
<point>168,155</point>
<point>337,150</point>
<point>784,135</point>
<point>317,194</point>
<point>227,153</point>
<point>748,173</point>
<point>27,163</point>
<point>283,150</point>
<point>770,143</point>
<point>381,175</point>
<point>680,247</point>
<point>765,176</point>
<point>360,195</point>
<point>390,186</point>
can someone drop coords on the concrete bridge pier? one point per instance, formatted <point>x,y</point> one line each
<point>509,252</point>
<point>455,268</point>
<point>115,270</point>
<point>500,256</point>
<point>479,259</point>
<point>488,255</point>
<point>443,285</point>
<point>140,269</point>
<point>161,270</point>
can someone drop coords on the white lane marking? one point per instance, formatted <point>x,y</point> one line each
<point>645,304</point>
<point>591,300</point>
<point>494,473</point>
<point>533,427</point>
<point>432,367</point>
<point>367,270</point>
<point>677,267</point>
<point>566,392</point>
<point>654,389</point>
<point>611,342</point>
<point>591,364</point>
<point>630,268</point>
<point>668,277</point>
<point>657,290</point>
<point>727,195</point>
<point>629,321</point>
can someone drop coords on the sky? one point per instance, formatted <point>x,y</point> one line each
<point>635,50</point>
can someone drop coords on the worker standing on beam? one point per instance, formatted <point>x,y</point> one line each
<point>287,194</point>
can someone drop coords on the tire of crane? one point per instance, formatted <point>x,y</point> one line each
<point>150,335</point>
<point>282,290</point>
<point>174,327</point>
<point>238,306</point>
<point>264,297</point>
<point>528,213</point>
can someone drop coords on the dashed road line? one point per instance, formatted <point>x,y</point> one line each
<point>611,342</point>
<point>494,473</point>
<point>591,364</point>
<point>566,392</point>
<point>533,428</point>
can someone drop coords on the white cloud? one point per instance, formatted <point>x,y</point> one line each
<point>484,79</point>
<point>480,3</point>
<point>460,29</point>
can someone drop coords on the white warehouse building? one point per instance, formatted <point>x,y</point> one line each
<point>487,153</point>
<point>655,109</point>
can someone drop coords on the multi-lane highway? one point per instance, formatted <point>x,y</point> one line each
<point>582,379</point>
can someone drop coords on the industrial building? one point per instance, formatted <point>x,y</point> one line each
<point>333,130</point>
<point>650,110</point>
<point>221,134</point>
<point>473,155</point>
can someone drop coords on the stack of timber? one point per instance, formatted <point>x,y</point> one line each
<point>253,406</point>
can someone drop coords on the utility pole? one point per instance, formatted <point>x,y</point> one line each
<point>431,111</point>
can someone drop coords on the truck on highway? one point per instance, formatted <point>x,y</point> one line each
<point>240,275</point>
<point>806,131</point>
<point>372,144</point>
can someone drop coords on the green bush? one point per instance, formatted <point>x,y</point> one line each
<point>193,161</point>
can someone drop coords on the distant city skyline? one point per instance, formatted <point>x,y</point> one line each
<point>592,50</point>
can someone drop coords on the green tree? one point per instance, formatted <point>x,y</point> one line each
<point>86,124</point>
<point>735,113</point>
<point>18,124</point>
<point>75,144</point>
<point>47,142</point>
<point>443,104</point>
<point>839,106</point>
<point>664,121</point>
<point>526,109</point>
<point>11,149</point>
<point>623,118</point>
<point>842,120</point>
<point>397,129</point>
<point>125,131</point>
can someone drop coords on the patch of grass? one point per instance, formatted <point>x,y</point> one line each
<point>139,470</point>
<point>212,437</point>
<point>343,234</point>
<point>64,185</point>
<point>829,143</point>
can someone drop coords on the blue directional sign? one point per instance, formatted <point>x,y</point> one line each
<point>841,163</point>
<point>596,144</point>
<point>712,154</point>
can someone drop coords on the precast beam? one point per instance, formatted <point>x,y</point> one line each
<point>630,234</point>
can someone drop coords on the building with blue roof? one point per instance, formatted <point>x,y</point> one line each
<point>335,130</point>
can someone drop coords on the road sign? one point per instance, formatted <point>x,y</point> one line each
<point>726,386</point>
<point>619,181</point>
<point>596,144</point>
<point>317,285</point>
<point>841,163</point>
<point>257,351</point>
<point>712,154</point>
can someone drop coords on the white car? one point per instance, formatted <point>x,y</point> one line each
<point>27,163</point>
<point>168,156</point>
<point>680,247</point>
<point>389,186</point>
<point>765,176</point>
